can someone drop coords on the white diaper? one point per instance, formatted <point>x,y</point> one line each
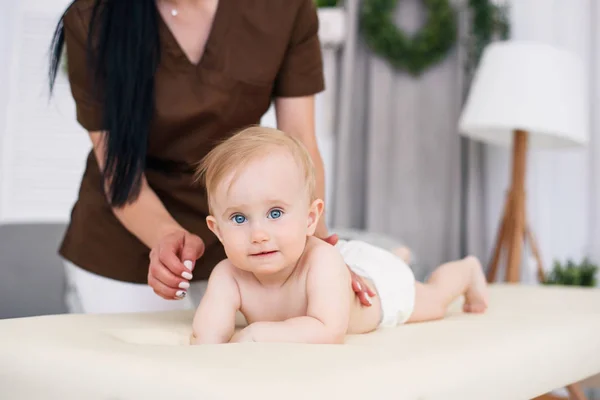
<point>392,277</point>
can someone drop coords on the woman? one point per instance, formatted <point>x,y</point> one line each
<point>156,84</point>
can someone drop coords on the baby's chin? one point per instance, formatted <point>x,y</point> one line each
<point>265,267</point>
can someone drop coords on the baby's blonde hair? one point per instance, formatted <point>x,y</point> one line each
<point>247,145</point>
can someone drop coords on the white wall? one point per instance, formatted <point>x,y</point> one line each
<point>31,277</point>
<point>594,161</point>
<point>6,28</point>
<point>559,183</point>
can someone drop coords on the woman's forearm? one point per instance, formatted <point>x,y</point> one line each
<point>146,218</point>
<point>296,116</point>
<point>319,188</point>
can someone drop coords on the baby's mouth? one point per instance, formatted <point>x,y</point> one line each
<point>264,253</point>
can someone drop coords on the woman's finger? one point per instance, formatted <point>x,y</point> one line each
<point>365,300</point>
<point>357,283</point>
<point>362,290</point>
<point>366,288</point>
<point>166,277</point>
<point>356,286</point>
<point>167,255</point>
<point>164,291</point>
<point>332,239</point>
<point>193,249</point>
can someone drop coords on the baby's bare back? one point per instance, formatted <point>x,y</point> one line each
<point>290,300</point>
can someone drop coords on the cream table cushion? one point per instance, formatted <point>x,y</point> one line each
<point>532,339</point>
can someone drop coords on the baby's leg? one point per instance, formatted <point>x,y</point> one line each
<point>446,284</point>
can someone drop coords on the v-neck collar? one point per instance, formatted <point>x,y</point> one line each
<point>217,30</point>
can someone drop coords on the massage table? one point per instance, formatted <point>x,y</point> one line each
<point>532,340</point>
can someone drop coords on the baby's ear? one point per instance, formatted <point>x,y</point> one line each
<point>212,225</point>
<point>314,214</point>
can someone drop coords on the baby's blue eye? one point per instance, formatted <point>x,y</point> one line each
<point>239,219</point>
<point>275,214</point>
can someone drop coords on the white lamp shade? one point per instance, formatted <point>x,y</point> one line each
<point>528,86</point>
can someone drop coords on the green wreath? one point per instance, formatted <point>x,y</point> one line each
<point>431,44</point>
<point>326,3</point>
<point>427,47</point>
<point>489,20</point>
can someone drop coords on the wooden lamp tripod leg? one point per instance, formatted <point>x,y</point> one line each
<point>500,238</point>
<point>512,227</point>
<point>517,231</point>
<point>536,253</point>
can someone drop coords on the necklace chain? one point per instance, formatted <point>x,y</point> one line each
<point>174,10</point>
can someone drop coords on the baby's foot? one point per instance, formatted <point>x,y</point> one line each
<point>404,253</point>
<point>476,296</point>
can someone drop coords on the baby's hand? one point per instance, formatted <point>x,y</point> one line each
<point>244,335</point>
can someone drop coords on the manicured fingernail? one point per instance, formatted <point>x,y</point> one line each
<point>369,300</point>
<point>181,294</point>
<point>188,264</point>
<point>358,285</point>
<point>184,285</point>
<point>186,275</point>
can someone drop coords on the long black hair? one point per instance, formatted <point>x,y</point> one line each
<point>123,52</point>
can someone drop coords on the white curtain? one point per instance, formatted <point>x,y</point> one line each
<point>398,167</point>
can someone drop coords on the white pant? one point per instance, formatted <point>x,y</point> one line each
<point>91,294</point>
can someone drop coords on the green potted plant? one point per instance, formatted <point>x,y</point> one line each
<point>572,274</point>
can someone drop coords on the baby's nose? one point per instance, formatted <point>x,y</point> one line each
<point>259,235</point>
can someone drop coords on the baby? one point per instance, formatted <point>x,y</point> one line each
<point>289,285</point>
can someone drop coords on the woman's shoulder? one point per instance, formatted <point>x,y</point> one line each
<point>79,8</point>
<point>287,12</point>
<point>79,13</point>
<point>83,5</point>
<point>288,6</point>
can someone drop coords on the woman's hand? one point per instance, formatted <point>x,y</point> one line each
<point>362,290</point>
<point>172,261</point>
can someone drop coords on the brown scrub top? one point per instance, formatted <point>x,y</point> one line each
<point>257,50</point>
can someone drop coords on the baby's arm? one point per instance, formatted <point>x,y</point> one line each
<point>328,286</point>
<point>214,321</point>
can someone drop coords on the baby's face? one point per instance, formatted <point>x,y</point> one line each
<point>264,216</point>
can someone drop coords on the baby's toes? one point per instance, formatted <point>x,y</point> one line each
<point>478,307</point>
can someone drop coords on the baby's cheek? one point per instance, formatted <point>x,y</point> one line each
<point>295,242</point>
<point>233,244</point>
